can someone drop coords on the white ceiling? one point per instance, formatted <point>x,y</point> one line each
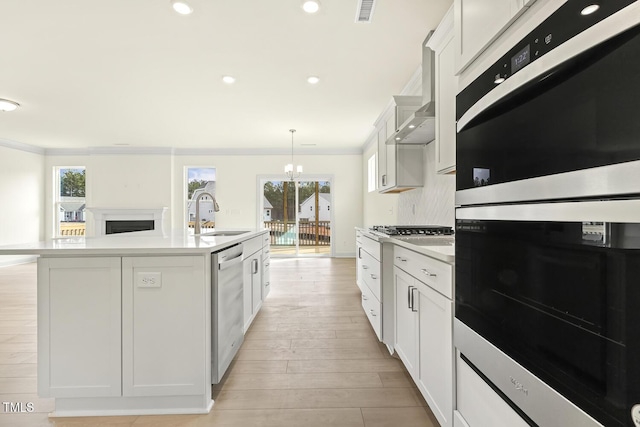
<point>133,72</point>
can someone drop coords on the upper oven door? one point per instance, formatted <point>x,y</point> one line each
<point>564,122</point>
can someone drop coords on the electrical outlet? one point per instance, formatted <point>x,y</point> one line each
<point>149,280</point>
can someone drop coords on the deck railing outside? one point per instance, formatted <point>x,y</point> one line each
<point>282,234</point>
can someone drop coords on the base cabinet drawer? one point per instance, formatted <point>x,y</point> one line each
<point>370,273</point>
<point>372,308</point>
<point>435,273</point>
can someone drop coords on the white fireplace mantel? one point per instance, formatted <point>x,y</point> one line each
<point>102,215</point>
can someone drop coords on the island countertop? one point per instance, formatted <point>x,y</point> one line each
<point>136,243</point>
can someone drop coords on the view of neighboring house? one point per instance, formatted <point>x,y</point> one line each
<point>72,209</point>
<point>308,208</point>
<point>266,212</point>
<point>206,203</point>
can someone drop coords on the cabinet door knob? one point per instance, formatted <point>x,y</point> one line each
<point>428,273</point>
<point>364,298</point>
<point>372,313</point>
<point>365,267</point>
<point>374,277</point>
<point>401,259</point>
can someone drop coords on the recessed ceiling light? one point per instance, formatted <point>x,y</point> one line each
<point>228,79</point>
<point>6,105</point>
<point>311,6</point>
<point>590,9</point>
<point>313,80</point>
<point>181,6</point>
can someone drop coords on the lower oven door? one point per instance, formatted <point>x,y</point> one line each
<point>554,287</point>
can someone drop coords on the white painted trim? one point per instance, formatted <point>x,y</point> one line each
<point>167,151</point>
<point>22,147</point>
<point>443,32</point>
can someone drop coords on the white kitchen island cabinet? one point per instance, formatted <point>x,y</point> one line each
<point>79,327</point>
<point>163,323</point>
<point>125,322</point>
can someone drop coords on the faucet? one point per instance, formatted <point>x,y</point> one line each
<point>216,208</point>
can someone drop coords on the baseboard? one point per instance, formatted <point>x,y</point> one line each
<point>10,260</point>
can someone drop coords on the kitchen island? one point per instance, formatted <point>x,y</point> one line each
<point>124,321</point>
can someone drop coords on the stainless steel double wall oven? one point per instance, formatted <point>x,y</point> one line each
<point>548,225</point>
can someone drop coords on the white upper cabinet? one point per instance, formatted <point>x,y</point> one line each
<point>479,22</point>
<point>446,87</point>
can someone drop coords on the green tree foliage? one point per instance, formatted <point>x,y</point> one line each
<point>194,185</point>
<point>72,183</point>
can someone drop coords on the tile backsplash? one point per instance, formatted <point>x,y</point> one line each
<point>432,204</point>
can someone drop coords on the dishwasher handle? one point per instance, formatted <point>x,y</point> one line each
<point>228,263</point>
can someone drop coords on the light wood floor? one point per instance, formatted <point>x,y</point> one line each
<point>309,359</point>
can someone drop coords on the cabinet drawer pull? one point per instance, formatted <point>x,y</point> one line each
<point>267,284</point>
<point>364,297</point>
<point>374,277</point>
<point>428,273</point>
<point>409,296</point>
<point>371,312</point>
<point>365,267</point>
<point>266,264</point>
<point>401,259</point>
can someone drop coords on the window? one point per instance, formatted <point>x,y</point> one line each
<point>372,173</point>
<point>70,202</point>
<point>200,180</point>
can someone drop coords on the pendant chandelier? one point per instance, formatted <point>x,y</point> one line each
<point>288,169</point>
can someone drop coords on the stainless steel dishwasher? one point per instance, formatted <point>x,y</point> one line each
<point>227,306</point>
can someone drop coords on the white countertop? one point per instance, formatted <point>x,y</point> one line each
<point>136,243</point>
<point>439,247</point>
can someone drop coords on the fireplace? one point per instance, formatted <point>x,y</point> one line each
<point>116,221</point>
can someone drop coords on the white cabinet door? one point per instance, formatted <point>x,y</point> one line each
<point>252,287</point>
<point>446,90</point>
<point>79,330</point>
<point>256,282</point>
<point>247,292</point>
<point>406,324</point>
<point>435,368</point>
<point>382,159</point>
<point>478,23</point>
<point>165,322</point>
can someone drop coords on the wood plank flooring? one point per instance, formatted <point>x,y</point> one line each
<point>309,359</point>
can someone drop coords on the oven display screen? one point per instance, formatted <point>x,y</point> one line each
<point>521,59</point>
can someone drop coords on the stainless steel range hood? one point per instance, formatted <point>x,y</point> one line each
<point>420,127</point>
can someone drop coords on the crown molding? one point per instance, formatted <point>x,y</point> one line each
<point>165,151</point>
<point>21,146</point>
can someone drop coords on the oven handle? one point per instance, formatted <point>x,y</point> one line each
<point>547,64</point>
<point>622,211</point>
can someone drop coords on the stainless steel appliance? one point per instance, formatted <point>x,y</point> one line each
<point>548,223</point>
<point>413,230</point>
<point>227,303</point>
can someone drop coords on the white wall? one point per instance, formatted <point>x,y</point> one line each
<point>21,198</point>
<point>116,181</point>
<point>237,189</point>
<point>151,181</point>
<point>433,204</point>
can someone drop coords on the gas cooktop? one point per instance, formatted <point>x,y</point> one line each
<point>413,230</point>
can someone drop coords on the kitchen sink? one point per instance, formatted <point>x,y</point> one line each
<point>225,233</point>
